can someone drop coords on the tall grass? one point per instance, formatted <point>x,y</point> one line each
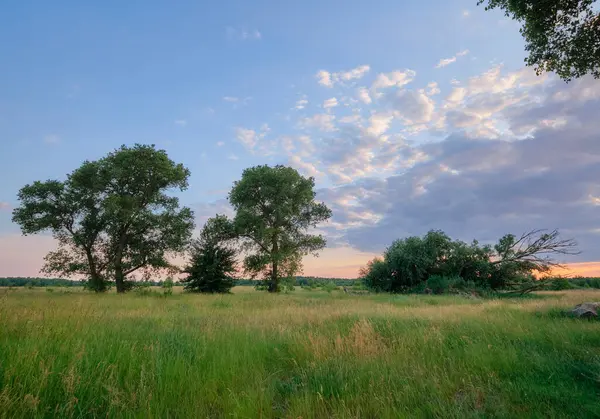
<point>305,354</point>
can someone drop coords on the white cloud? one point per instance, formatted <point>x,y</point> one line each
<point>433,89</point>
<point>304,167</point>
<point>351,119</point>
<point>328,79</point>
<point>447,61</point>
<point>413,107</point>
<point>395,78</point>
<point>181,122</point>
<point>323,122</point>
<point>301,104</point>
<point>237,101</point>
<point>220,143</point>
<point>324,78</point>
<point>248,137</point>
<point>52,139</point>
<point>231,99</point>
<point>355,73</point>
<point>233,157</point>
<point>466,13</point>
<point>379,123</point>
<point>363,95</point>
<point>330,103</point>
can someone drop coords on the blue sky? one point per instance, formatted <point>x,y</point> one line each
<point>354,93</point>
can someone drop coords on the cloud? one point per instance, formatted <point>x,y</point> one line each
<point>323,122</point>
<point>301,104</point>
<point>181,122</point>
<point>330,103</point>
<point>324,78</point>
<point>393,79</point>
<point>52,139</point>
<point>220,143</point>
<point>232,157</point>
<point>328,79</point>
<point>433,89</point>
<point>466,13</point>
<point>5,206</point>
<point>379,123</point>
<point>253,140</point>
<point>447,61</point>
<point>472,186</point>
<point>242,34</point>
<point>363,95</point>
<point>237,101</point>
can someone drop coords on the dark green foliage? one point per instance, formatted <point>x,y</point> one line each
<point>38,282</point>
<point>111,217</point>
<point>213,261</point>
<point>275,207</point>
<point>211,269</point>
<point>435,263</point>
<point>560,35</point>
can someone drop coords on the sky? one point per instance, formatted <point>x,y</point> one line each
<point>410,115</point>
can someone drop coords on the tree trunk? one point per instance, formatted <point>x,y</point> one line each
<point>274,283</point>
<point>96,281</point>
<point>119,279</point>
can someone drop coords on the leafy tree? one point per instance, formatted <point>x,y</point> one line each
<point>72,211</point>
<point>275,206</point>
<point>560,35</point>
<point>111,217</point>
<point>513,263</point>
<point>213,261</point>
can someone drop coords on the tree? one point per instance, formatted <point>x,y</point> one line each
<point>213,261</point>
<point>145,224</point>
<point>73,213</point>
<point>111,217</point>
<point>560,35</point>
<point>275,206</point>
<point>513,263</point>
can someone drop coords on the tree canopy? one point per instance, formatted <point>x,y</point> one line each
<point>111,217</point>
<point>512,263</point>
<point>212,265</point>
<point>560,35</point>
<point>274,209</point>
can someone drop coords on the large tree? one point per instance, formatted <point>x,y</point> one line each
<point>560,35</point>
<point>274,209</point>
<point>111,217</point>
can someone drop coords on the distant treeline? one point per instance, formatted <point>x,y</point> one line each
<point>308,281</point>
<point>39,282</point>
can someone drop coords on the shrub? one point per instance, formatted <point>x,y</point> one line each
<point>167,286</point>
<point>329,286</point>
<point>211,268</point>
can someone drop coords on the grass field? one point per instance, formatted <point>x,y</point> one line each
<point>304,354</point>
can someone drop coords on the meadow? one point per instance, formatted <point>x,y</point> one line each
<point>308,354</point>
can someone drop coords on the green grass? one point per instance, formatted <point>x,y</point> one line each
<point>304,354</point>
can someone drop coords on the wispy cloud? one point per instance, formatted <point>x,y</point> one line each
<point>301,104</point>
<point>466,13</point>
<point>4,206</point>
<point>242,33</point>
<point>220,143</point>
<point>237,101</point>
<point>233,157</point>
<point>181,122</point>
<point>447,61</point>
<point>52,139</point>
<point>328,79</point>
<point>330,103</point>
